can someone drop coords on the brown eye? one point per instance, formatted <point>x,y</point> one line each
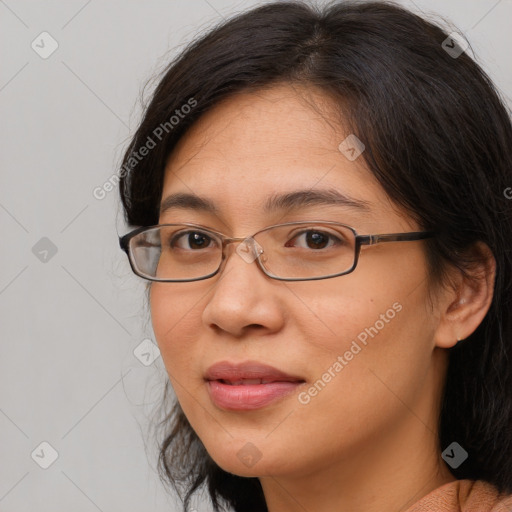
<point>313,239</point>
<point>191,240</point>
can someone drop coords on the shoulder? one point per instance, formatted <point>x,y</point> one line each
<point>464,496</point>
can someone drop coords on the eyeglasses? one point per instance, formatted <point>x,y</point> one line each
<point>294,251</point>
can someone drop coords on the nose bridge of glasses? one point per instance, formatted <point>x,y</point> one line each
<point>248,248</point>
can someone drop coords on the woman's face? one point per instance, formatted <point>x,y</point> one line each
<point>361,345</point>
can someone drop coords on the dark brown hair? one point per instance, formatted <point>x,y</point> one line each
<point>438,139</point>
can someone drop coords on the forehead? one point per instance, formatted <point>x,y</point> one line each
<point>253,145</point>
<point>282,122</point>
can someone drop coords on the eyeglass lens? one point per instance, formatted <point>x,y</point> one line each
<point>288,251</point>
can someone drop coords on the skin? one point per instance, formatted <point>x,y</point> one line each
<point>368,440</point>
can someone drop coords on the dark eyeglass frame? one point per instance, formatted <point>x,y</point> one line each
<point>124,243</point>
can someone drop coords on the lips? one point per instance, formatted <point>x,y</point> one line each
<point>246,382</point>
<point>247,386</point>
<point>250,372</point>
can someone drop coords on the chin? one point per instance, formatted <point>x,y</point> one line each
<point>245,459</point>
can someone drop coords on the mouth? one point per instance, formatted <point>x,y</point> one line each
<point>247,386</point>
<point>250,382</point>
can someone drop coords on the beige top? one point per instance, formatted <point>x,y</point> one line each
<point>464,496</point>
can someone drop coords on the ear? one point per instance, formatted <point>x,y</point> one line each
<point>463,307</point>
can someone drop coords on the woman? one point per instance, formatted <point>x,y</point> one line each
<point>316,366</point>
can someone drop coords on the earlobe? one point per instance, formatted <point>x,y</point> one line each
<point>468,301</point>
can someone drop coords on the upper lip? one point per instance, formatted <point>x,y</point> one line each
<point>225,370</point>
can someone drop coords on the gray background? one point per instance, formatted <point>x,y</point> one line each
<point>70,321</point>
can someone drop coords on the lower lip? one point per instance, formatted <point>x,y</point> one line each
<point>250,396</point>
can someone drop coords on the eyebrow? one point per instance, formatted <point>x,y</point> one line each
<point>289,201</point>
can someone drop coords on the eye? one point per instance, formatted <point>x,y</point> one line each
<point>191,240</point>
<point>315,239</point>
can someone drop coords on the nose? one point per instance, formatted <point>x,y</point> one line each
<point>243,298</point>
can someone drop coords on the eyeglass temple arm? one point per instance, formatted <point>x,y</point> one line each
<point>394,237</point>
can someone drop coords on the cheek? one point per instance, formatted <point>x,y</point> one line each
<point>342,309</point>
<point>175,322</point>
<point>357,341</point>
<point>364,361</point>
